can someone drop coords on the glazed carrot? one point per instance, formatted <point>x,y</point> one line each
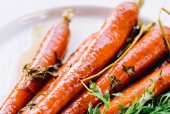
<point>52,49</point>
<point>65,67</point>
<point>149,49</point>
<point>107,43</point>
<point>162,82</point>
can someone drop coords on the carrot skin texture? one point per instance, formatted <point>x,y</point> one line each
<point>109,40</point>
<point>141,56</point>
<point>64,68</point>
<point>161,84</point>
<point>52,48</point>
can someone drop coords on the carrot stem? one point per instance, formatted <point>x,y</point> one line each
<point>68,14</point>
<point>161,27</point>
<point>165,10</point>
<point>86,86</point>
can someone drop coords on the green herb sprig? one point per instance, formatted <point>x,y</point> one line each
<point>105,98</point>
<point>96,91</point>
<point>137,105</point>
<point>93,110</point>
<point>160,105</point>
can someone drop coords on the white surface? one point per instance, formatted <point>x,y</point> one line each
<point>11,9</point>
<point>13,44</point>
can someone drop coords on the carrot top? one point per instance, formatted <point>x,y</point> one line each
<point>40,72</point>
<point>67,14</point>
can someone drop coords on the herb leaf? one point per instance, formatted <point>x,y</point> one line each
<point>90,108</point>
<point>40,72</point>
<point>94,110</point>
<point>122,109</point>
<point>137,105</point>
<point>98,93</point>
<point>130,70</point>
<point>118,94</point>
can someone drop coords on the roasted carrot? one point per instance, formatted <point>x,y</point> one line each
<point>52,49</point>
<point>65,67</point>
<point>107,43</point>
<point>149,49</point>
<point>162,82</point>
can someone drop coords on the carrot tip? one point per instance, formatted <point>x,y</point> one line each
<point>68,14</point>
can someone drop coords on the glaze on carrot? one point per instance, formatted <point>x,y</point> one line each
<point>148,50</point>
<point>52,49</point>
<point>107,43</point>
<point>64,69</point>
<point>162,83</point>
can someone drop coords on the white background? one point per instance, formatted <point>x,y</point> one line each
<point>11,9</point>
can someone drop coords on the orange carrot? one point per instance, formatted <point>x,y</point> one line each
<point>107,43</point>
<point>162,82</point>
<point>52,48</point>
<point>143,54</point>
<point>65,68</point>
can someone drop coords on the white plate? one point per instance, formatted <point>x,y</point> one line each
<point>20,38</point>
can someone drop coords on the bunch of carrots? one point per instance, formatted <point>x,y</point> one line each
<point>102,75</point>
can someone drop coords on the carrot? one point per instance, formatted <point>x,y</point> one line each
<point>107,43</point>
<point>149,49</point>
<point>65,68</point>
<point>161,83</point>
<point>52,49</point>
